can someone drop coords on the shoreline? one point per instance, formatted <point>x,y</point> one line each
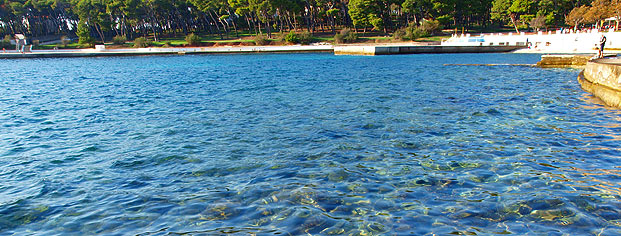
<point>601,79</point>
<point>102,52</point>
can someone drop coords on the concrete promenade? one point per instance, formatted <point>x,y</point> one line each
<point>602,78</point>
<point>415,49</point>
<point>161,51</point>
<point>384,49</point>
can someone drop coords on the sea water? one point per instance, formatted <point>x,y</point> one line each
<point>304,144</point>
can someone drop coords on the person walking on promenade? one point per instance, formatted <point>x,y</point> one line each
<point>602,42</point>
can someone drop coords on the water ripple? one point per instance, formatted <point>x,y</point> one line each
<point>304,144</point>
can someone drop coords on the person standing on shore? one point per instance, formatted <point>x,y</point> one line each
<point>602,42</point>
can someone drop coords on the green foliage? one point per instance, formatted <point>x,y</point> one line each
<point>333,12</point>
<point>412,31</point>
<point>368,13</point>
<point>261,40</point>
<point>141,42</point>
<point>418,7</point>
<point>193,39</point>
<point>430,27</point>
<point>445,19</point>
<point>280,37</point>
<point>399,34</point>
<point>351,36</point>
<point>500,10</point>
<point>95,13</point>
<point>378,23</point>
<point>84,34</point>
<point>521,7</point>
<point>517,12</point>
<point>6,42</point>
<point>224,18</point>
<point>119,39</point>
<point>292,38</point>
<point>346,36</point>
<point>306,37</point>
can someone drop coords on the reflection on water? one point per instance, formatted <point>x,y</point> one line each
<point>304,144</point>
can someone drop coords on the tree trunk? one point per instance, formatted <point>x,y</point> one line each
<point>234,24</point>
<point>513,16</point>
<point>216,23</point>
<point>224,26</point>
<point>100,32</point>
<point>268,28</point>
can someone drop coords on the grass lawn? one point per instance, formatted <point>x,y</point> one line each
<point>245,38</point>
<point>72,45</point>
<point>433,38</point>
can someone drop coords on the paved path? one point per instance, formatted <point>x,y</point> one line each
<point>155,51</point>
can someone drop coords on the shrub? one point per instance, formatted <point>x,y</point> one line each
<point>119,39</point>
<point>166,45</point>
<point>351,37</point>
<point>306,37</point>
<point>538,22</point>
<point>414,33</point>
<point>399,34</point>
<point>193,39</point>
<point>6,42</point>
<point>280,37</point>
<point>292,38</point>
<point>35,43</point>
<point>346,36</point>
<point>141,42</point>
<point>260,39</point>
<point>430,27</point>
<point>338,38</point>
<point>64,40</point>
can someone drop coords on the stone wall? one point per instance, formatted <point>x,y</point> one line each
<point>602,78</point>
<point>562,61</point>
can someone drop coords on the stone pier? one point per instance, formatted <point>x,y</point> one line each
<point>564,61</point>
<point>602,78</point>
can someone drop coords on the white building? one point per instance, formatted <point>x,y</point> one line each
<point>549,42</point>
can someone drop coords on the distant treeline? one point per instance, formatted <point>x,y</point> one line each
<point>105,19</point>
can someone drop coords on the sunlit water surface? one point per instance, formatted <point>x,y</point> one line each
<point>297,144</point>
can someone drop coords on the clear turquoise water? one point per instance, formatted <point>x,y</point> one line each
<point>297,144</point>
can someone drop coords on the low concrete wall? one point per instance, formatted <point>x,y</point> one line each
<point>354,50</point>
<point>388,50</point>
<point>158,51</point>
<point>602,78</point>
